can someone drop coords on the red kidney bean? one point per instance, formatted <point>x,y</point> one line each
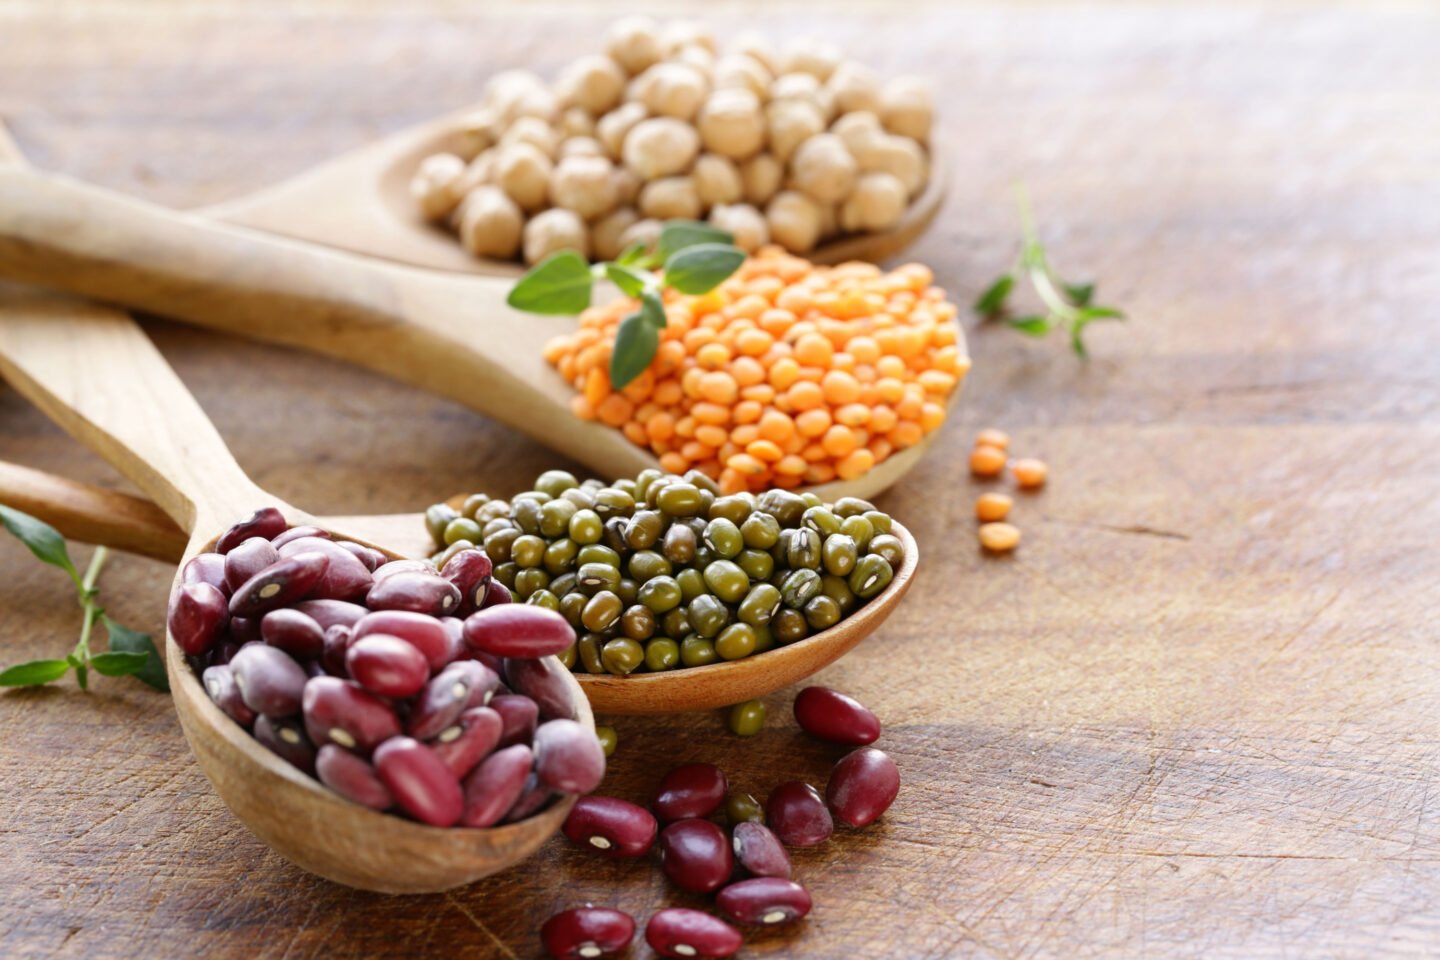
<point>347,578</point>
<point>691,935</point>
<point>337,711</point>
<point>797,815</point>
<point>245,630</point>
<point>534,797</point>
<point>197,618</point>
<point>352,778</point>
<point>586,933</point>
<point>496,593</point>
<point>862,786</point>
<point>329,613</point>
<point>225,652</point>
<point>266,522</point>
<point>269,679</point>
<point>313,669</point>
<point>759,851</point>
<point>449,693</point>
<point>764,900</point>
<point>518,630</point>
<point>546,682</point>
<point>421,785</point>
<point>421,631</point>
<point>372,558</point>
<point>831,715</point>
<point>279,585</point>
<point>493,787</point>
<point>402,566</point>
<point>692,790</point>
<point>205,568</point>
<point>386,665</point>
<point>696,855</point>
<point>611,826</point>
<point>455,648</point>
<point>470,571</point>
<point>295,533</point>
<point>466,742</point>
<point>220,684</point>
<point>518,714</point>
<point>247,559</point>
<point>294,632</point>
<point>568,756</point>
<point>286,739</point>
<point>417,592</point>
<point>337,642</point>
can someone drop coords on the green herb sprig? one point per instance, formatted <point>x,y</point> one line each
<point>129,654</point>
<point>1068,306</point>
<point>690,257</point>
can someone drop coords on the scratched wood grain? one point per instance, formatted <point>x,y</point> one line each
<point>1198,714</point>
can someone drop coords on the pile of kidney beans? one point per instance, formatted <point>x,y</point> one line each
<point>399,686</point>
<point>697,855</point>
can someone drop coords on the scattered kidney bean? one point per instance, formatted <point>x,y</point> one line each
<point>764,900</point>
<point>586,933</point>
<point>696,855</point>
<point>220,685</point>
<point>422,632</point>
<point>352,778</point>
<point>417,592</point>
<point>692,790</point>
<point>338,711</point>
<point>544,682</point>
<point>386,665</point>
<point>568,757</point>
<point>296,633</point>
<point>279,584</point>
<point>246,560</point>
<point>862,786</point>
<point>797,815</point>
<point>347,578</point>
<point>831,715</point>
<point>759,851</point>
<point>470,571</point>
<point>198,613</point>
<point>613,827</point>
<point>492,788</point>
<point>496,593</point>
<point>420,783</point>
<point>269,680</point>
<point>451,692</point>
<point>286,739</point>
<point>266,522</point>
<point>690,935</point>
<point>519,716</point>
<point>466,742</point>
<point>205,568</point>
<point>518,630</point>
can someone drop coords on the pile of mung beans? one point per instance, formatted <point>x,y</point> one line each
<point>663,572</point>
<point>399,685</point>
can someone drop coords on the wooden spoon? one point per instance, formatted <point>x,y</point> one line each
<point>360,201</point>
<point>96,374</point>
<point>449,334</point>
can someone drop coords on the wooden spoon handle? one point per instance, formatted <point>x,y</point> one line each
<point>95,373</point>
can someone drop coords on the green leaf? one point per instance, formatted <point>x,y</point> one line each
<point>118,663</point>
<point>635,345</point>
<point>632,282</point>
<point>679,234</point>
<point>82,677</point>
<point>43,540</point>
<point>559,284</point>
<point>992,301</point>
<point>636,255</point>
<point>1098,313</point>
<point>702,267</point>
<point>1079,293</point>
<point>129,641</point>
<point>1032,326</point>
<point>34,673</point>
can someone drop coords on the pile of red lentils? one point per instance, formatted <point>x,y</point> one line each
<point>988,460</point>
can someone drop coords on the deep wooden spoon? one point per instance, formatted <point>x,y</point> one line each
<point>97,375</point>
<point>449,334</point>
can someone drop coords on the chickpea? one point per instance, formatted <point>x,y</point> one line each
<point>659,147</point>
<point>824,169</point>
<point>612,128</point>
<point>739,72</point>
<point>627,186</point>
<point>743,222</point>
<point>534,131</point>
<point>731,124</point>
<point>585,185</point>
<point>576,122</point>
<point>676,35</point>
<point>507,87</point>
<point>877,204</point>
<point>790,123</point>
<point>900,156</point>
<point>760,176</point>
<point>541,104</point>
<point>794,220</point>
<point>717,180</point>
<point>854,86</point>
<point>634,43</point>
<point>606,233</point>
<point>434,183</point>
<point>858,128</point>
<point>552,231</point>
<point>490,223</point>
<point>999,537</point>
<point>991,437</point>
<point>698,59</point>
<point>593,83</point>
<point>814,57</point>
<point>993,507</point>
<point>478,132</point>
<point>1030,473</point>
<point>907,107</point>
<point>523,172</point>
<point>670,198</point>
<point>582,147</point>
<point>803,86</point>
<point>645,232</point>
<point>480,170</point>
<point>987,461</point>
<point>672,90</point>
<point>755,45</point>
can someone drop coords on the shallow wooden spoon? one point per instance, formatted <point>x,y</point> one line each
<point>97,375</point>
<point>451,335</point>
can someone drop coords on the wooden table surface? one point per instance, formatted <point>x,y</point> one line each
<point>1197,714</point>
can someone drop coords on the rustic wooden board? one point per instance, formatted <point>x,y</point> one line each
<point>1197,714</point>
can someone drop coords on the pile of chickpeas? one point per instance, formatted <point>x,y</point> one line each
<point>663,571</point>
<point>789,146</point>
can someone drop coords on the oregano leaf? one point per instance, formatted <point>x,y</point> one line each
<point>34,673</point>
<point>635,343</point>
<point>43,540</point>
<point>702,267</point>
<point>676,235</point>
<point>125,640</point>
<point>559,284</point>
<point>992,301</point>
